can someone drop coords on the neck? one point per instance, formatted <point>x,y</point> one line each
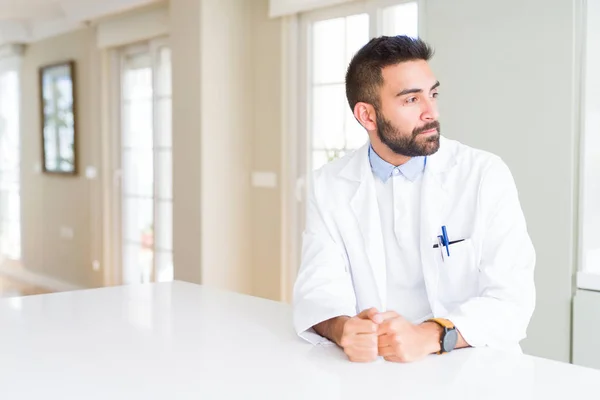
<point>386,153</point>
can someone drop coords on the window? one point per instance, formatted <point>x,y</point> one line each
<point>327,129</point>
<point>10,211</point>
<point>146,164</point>
<point>331,42</point>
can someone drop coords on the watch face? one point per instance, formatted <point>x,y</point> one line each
<point>450,339</point>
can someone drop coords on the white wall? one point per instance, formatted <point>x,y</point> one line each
<point>50,202</point>
<point>508,81</point>
<point>184,38</point>
<point>226,152</point>
<point>213,128</point>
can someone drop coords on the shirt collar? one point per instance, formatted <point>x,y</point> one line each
<point>383,170</point>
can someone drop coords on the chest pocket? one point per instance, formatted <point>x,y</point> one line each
<point>458,273</point>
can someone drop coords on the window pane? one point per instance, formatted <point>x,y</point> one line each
<point>138,172</point>
<point>164,226</point>
<point>4,236</point>
<point>137,124</point>
<point>164,266</point>
<point>137,82</point>
<point>4,205</point>
<point>165,127</point>
<point>164,72</point>
<point>137,264</point>
<point>10,205</point>
<point>402,19</point>
<point>322,157</point>
<point>13,214</point>
<point>328,103</point>
<point>14,240</point>
<point>138,221</point>
<point>328,44</point>
<point>357,34</point>
<point>164,189</point>
<point>319,158</point>
<point>356,135</point>
<point>10,239</point>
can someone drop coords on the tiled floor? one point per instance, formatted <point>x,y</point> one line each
<point>11,288</point>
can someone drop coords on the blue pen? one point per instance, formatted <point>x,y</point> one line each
<point>446,241</point>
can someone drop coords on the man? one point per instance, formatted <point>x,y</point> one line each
<point>414,244</point>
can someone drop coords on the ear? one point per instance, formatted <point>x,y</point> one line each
<point>365,114</point>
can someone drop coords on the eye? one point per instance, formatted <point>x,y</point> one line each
<point>435,95</point>
<point>413,99</point>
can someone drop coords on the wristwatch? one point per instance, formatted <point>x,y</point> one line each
<point>449,335</point>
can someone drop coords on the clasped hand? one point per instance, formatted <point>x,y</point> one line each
<point>388,334</point>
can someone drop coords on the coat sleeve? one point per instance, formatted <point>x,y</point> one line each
<point>323,287</point>
<point>499,315</point>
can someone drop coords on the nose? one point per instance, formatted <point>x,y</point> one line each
<point>430,110</point>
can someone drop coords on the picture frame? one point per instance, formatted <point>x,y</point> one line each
<point>58,118</point>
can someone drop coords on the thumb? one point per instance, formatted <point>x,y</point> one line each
<point>372,314</point>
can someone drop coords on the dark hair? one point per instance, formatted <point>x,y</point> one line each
<point>364,78</point>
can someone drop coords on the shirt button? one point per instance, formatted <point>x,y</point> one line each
<point>396,172</point>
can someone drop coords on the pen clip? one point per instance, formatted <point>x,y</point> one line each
<point>446,240</point>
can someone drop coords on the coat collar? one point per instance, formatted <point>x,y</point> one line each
<point>439,163</point>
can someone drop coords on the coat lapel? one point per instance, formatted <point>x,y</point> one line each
<point>365,208</point>
<point>434,203</point>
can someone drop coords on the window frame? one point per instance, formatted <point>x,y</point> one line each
<point>10,61</point>
<point>116,59</point>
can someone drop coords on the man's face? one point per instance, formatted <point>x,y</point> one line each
<point>407,118</point>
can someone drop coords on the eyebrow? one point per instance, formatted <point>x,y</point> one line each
<point>409,91</point>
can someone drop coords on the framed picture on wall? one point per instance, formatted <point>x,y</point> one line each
<point>59,133</point>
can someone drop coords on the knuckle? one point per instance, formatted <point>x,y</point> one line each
<point>345,341</point>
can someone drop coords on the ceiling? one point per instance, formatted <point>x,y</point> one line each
<point>26,21</point>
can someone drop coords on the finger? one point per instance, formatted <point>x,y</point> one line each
<point>368,313</point>
<point>393,358</point>
<point>375,316</point>
<point>389,315</point>
<point>387,327</point>
<point>386,340</point>
<point>362,359</point>
<point>362,355</point>
<point>386,351</point>
<point>365,340</point>
<point>394,325</point>
<point>356,326</point>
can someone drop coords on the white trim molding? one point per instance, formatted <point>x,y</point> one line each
<point>280,8</point>
<point>11,50</point>
<point>127,29</point>
<point>290,251</point>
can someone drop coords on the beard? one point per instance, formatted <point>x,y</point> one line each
<point>408,145</point>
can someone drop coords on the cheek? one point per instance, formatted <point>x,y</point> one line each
<point>406,118</point>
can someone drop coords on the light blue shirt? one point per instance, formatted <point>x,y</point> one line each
<point>383,169</point>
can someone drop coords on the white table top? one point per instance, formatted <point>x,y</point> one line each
<point>179,340</point>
